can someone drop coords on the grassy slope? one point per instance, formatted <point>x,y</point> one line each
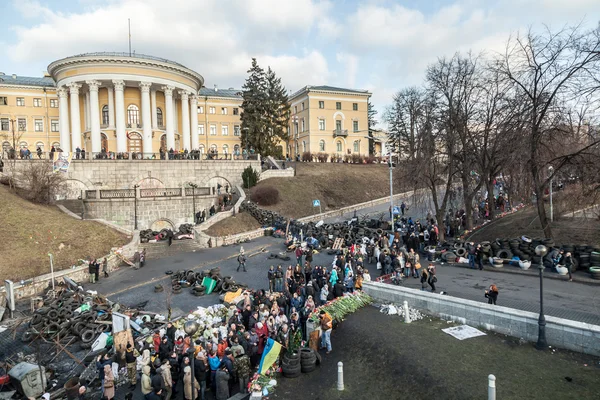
<point>336,185</point>
<point>31,231</point>
<point>241,222</point>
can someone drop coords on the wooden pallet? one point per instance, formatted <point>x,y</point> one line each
<point>337,244</point>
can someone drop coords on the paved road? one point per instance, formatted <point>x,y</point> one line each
<point>571,300</point>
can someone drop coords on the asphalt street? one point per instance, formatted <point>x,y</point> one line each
<point>570,300</point>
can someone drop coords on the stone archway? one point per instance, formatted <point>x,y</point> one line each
<point>72,189</point>
<point>216,180</point>
<point>150,183</point>
<point>162,223</point>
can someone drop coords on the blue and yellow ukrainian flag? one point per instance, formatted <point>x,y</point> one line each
<point>269,356</point>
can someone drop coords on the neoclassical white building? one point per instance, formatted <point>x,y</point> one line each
<point>105,95</point>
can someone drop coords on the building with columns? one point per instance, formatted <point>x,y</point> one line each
<point>137,104</point>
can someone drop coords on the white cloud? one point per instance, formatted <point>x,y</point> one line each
<point>349,63</point>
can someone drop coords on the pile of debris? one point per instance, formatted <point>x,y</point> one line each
<point>201,283</point>
<point>390,309</point>
<point>186,231</point>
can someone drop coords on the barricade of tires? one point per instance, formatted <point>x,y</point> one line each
<point>184,231</point>
<point>191,279</point>
<point>60,319</point>
<point>303,361</point>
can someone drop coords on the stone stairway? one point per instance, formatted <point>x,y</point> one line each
<point>162,249</point>
<point>77,207</point>
<point>273,162</point>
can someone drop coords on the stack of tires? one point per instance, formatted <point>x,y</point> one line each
<point>290,365</point>
<point>594,268</point>
<point>308,360</point>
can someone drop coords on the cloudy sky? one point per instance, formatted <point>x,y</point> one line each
<point>379,45</point>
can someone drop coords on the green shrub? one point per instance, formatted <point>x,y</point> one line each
<point>265,195</point>
<point>250,177</point>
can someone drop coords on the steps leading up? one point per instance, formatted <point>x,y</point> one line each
<point>162,249</point>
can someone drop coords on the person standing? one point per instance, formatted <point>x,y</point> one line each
<point>105,267</point>
<point>222,376</point>
<point>299,255</point>
<point>96,270</point>
<point>190,392</point>
<point>92,271</point>
<point>165,372</point>
<point>109,383</point>
<point>402,208</point>
<point>568,263</point>
<point>326,327</point>
<point>241,261</point>
<point>431,279</point>
<point>142,258</point>
<point>492,294</point>
<point>130,360</point>
<point>424,279</point>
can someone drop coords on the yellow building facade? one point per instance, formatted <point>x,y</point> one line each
<point>115,104</point>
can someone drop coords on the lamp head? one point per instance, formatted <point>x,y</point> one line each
<point>541,250</point>
<point>191,327</point>
<point>550,169</point>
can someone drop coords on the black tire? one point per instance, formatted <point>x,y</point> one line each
<point>504,254</point>
<point>27,336</point>
<point>158,289</point>
<point>52,314</point>
<point>460,251</point>
<point>36,319</point>
<point>88,336</point>
<point>308,368</point>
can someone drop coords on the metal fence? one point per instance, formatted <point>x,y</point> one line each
<point>84,156</point>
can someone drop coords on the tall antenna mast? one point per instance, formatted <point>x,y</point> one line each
<point>129,23</point>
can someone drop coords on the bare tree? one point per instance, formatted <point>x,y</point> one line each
<point>546,71</point>
<point>38,183</point>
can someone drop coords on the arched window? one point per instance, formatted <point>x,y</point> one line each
<point>40,145</point>
<point>236,149</point>
<point>304,146</point>
<point>225,149</point>
<point>321,145</point>
<point>356,146</point>
<point>201,149</point>
<point>133,115</point>
<point>134,143</point>
<point>23,144</point>
<point>159,117</point>
<point>338,146</point>
<point>5,146</point>
<point>103,142</point>
<point>213,148</point>
<point>105,115</point>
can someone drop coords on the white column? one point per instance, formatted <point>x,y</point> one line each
<point>194,122</point>
<point>175,117</point>
<point>146,119</point>
<point>153,104</point>
<point>185,121</point>
<point>169,116</point>
<point>86,112</point>
<point>95,116</point>
<point>111,108</point>
<point>120,116</point>
<point>63,113</point>
<point>75,117</point>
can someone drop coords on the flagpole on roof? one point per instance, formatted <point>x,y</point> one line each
<point>129,26</point>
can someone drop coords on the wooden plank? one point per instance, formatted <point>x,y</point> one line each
<point>121,339</point>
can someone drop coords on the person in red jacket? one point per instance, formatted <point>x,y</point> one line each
<point>263,334</point>
<point>156,340</point>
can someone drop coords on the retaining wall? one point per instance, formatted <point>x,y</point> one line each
<point>562,333</point>
<point>277,173</point>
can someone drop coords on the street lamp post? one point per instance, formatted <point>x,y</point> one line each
<point>194,186</point>
<point>550,171</point>
<point>391,195</point>
<point>51,268</point>
<point>135,219</point>
<point>191,327</point>
<point>541,344</point>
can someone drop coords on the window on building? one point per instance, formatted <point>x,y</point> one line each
<point>213,148</point>
<point>355,106</point>
<point>37,102</point>
<point>303,125</point>
<point>321,124</point>
<point>295,109</point>
<point>355,126</point>
<point>302,105</point>
<point>200,129</point>
<point>201,149</point>
<point>356,146</point>
<point>21,101</point>
<point>236,111</point>
<point>321,104</point>
<point>213,130</point>
<point>38,125</point>
<point>236,130</point>
<point>133,115</point>
<point>3,101</point>
<point>338,125</point>
<point>338,146</point>
<point>5,146</point>
<point>105,115</point>
<point>338,105</point>
<point>304,146</point>
<point>159,117</point>
<point>54,125</point>
<point>321,145</point>
<point>4,124</point>
<point>212,110</point>
<point>40,145</point>
<point>224,130</point>
<point>225,149</point>
<point>223,110</point>
<point>296,128</point>
<point>200,109</point>
<point>53,103</point>
<point>22,124</point>
<point>23,144</point>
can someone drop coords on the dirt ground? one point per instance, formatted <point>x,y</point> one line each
<point>335,185</point>
<point>241,222</point>
<point>565,230</point>
<point>31,231</point>
<point>419,361</point>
